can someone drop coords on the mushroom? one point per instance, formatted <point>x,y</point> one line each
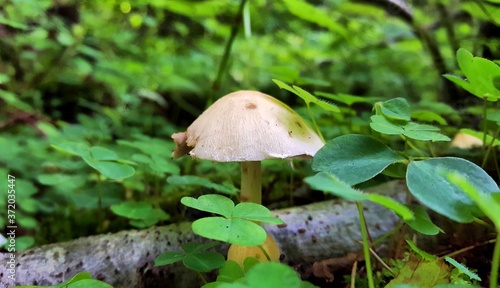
<point>248,127</point>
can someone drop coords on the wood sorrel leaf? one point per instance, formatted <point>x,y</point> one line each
<point>427,181</point>
<point>354,158</point>
<point>235,231</point>
<point>212,203</point>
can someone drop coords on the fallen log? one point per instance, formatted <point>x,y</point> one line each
<point>126,259</point>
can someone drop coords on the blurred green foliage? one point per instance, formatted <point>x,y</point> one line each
<point>109,81</point>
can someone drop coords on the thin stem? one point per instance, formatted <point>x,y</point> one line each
<point>495,262</point>
<point>251,190</point>
<point>490,147</point>
<point>485,126</point>
<point>202,278</point>
<point>227,51</point>
<point>314,123</point>
<point>366,245</point>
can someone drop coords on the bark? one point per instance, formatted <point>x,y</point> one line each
<point>126,259</point>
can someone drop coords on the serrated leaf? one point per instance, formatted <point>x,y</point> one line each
<point>462,268</point>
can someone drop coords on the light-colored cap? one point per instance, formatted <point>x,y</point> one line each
<point>465,141</point>
<point>247,126</point>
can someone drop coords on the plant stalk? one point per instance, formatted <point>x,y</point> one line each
<point>366,245</point>
<point>251,188</point>
<point>227,51</point>
<point>495,262</point>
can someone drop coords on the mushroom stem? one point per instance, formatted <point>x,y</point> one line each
<point>251,188</point>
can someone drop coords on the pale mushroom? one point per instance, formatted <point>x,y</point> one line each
<point>248,127</point>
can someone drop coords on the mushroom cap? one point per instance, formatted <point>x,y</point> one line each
<point>247,126</point>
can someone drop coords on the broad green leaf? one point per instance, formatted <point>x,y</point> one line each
<point>204,261</point>
<point>427,181</point>
<point>285,86</point>
<point>354,158</point>
<point>489,203</point>
<point>255,212</point>
<point>204,182</point>
<point>493,115</point>
<point>481,75</point>
<point>423,132</point>
<point>314,14</point>
<point>422,223</point>
<point>101,153</point>
<point>74,148</point>
<point>272,275</point>
<point>428,116</point>
<point>212,203</point>
<point>235,231</point>
<point>380,124</point>
<point>111,170</point>
<point>462,268</point>
<point>168,258</point>
<point>396,109</point>
<point>423,254</point>
<point>411,130</point>
<point>132,210</point>
<point>230,272</point>
<point>328,183</point>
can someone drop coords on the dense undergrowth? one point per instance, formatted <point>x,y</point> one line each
<point>90,92</point>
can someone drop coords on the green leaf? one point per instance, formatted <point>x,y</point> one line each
<point>314,14</point>
<point>422,223</point>
<point>132,210</point>
<point>427,181</point>
<point>307,97</point>
<point>428,116</point>
<point>481,76</point>
<point>204,182</point>
<point>489,203</point>
<point>349,100</point>
<point>168,258</point>
<point>212,203</point>
<point>101,153</point>
<point>411,130</point>
<point>420,252</point>
<point>230,272</point>
<point>235,231</point>
<point>193,247</point>
<point>462,268</point>
<point>204,261</point>
<point>354,158</point>
<point>380,124</point>
<point>395,109</point>
<point>111,170</point>
<point>255,212</point>
<point>88,283</point>
<point>328,183</point>
<point>272,275</point>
